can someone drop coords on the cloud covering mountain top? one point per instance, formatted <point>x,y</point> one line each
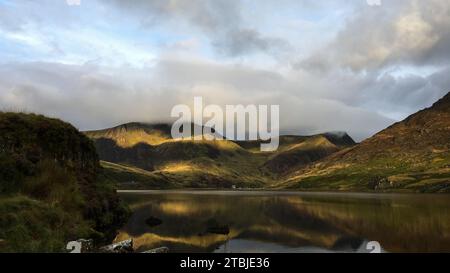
<point>340,66</point>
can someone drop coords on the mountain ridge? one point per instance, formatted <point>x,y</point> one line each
<point>405,154</point>
<point>410,155</point>
<point>219,162</point>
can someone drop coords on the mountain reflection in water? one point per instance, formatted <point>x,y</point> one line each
<point>287,221</point>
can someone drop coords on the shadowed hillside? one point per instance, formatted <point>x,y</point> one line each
<point>155,160</point>
<point>51,187</point>
<point>192,164</point>
<point>301,154</point>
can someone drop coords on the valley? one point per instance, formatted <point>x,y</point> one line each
<point>410,156</point>
<point>64,181</point>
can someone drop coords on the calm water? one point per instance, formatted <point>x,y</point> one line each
<point>287,222</point>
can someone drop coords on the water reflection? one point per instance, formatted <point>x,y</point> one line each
<point>288,222</point>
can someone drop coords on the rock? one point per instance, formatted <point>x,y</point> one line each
<point>120,247</point>
<point>379,183</point>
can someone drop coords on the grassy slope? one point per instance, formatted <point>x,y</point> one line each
<point>301,154</point>
<point>412,155</point>
<point>51,188</point>
<point>189,164</point>
<point>252,169</point>
<point>138,157</point>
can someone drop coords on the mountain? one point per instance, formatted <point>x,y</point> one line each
<point>301,154</point>
<point>130,134</point>
<point>141,155</point>
<point>411,155</point>
<point>51,186</point>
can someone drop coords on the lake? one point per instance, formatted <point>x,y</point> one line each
<point>258,221</point>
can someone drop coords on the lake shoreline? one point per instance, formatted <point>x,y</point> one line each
<point>270,191</point>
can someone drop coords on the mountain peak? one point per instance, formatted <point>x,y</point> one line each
<point>412,154</point>
<point>130,126</point>
<point>339,138</point>
<point>132,133</point>
<point>443,103</point>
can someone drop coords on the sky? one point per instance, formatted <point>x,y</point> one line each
<point>354,66</point>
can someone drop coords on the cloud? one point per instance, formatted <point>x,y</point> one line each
<point>340,66</point>
<point>92,96</point>
<point>242,41</point>
<point>391,59</point>
<point>220,21</point>
<point>400,33</point>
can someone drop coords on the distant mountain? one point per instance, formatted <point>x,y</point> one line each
<point>301,154</point>
<point>130,134</point>
<point>413,154</point>
<point>341,139</point>
<point>145,156</point>
<point>147,151</point>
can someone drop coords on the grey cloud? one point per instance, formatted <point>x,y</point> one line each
<point>187,73</point>
<point>220,20</point>
<point>242,41</point>
<point>397,33</point>
<point>404,95</point>
<point>441,80</point>
<point>93,97</point>
<point>394,96</point>
<point>366,94</point>
<point>86,96</point>
<point>403,36</point>
<point>345,86</point>
<point>319,115</point>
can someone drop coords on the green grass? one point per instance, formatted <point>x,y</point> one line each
<point>51,209</point>
<point>191,164</point>
<point>237,168</point>
<point>213,165</point>
<point>390,174</point>
<point>223,164</point>
<point>28,225</point>
<point>51,188</point>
